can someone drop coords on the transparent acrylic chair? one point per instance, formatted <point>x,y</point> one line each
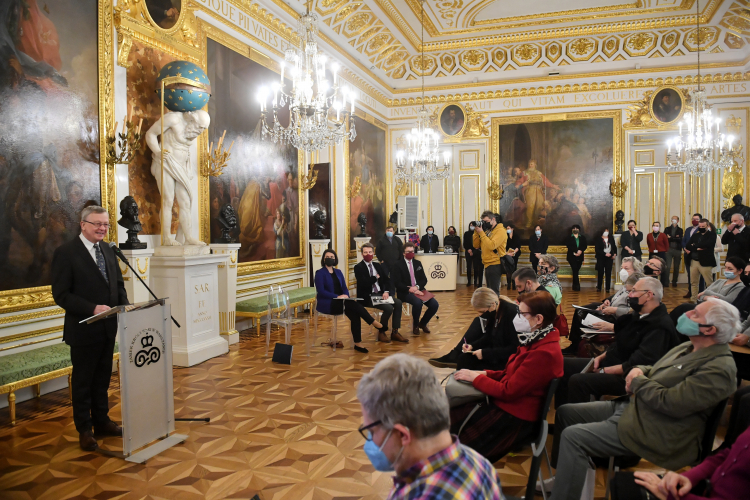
<point>279,313</point>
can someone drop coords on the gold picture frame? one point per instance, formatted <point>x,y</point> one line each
<point>177,24</point>
<point>658,115</point>
<point>446,108</point>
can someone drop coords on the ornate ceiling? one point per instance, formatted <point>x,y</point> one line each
<point>469,41</point>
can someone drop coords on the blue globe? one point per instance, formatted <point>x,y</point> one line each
<point>183,97</point>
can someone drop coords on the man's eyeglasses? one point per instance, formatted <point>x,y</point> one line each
<point>99,225</point>
<point>519,311</point>
<point>366,432</point>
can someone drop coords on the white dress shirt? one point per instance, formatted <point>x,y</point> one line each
<point>90,247</point>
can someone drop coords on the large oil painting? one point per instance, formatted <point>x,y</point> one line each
<point>557,174</point>
<point>367,167</point>
<point>49,131</point>
<point>261,179</point>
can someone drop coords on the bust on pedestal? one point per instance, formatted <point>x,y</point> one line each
<point>129,220</point>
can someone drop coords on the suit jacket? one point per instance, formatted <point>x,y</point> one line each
<point>324,288</point>
<point>429,245</point>
<point>666,418</point>
<point>674,233</point>
<point>78,287</point>
<point>389,251</point>
<point>599,247</point>
<point>706,243</point>
<point>660,244</point>
<point>689,232</point>
<point>632,242</point>
<point>538,245</point>
<point>573,248</point>
<point>365,281</point>
<point>402,279</point>
<point>739,244</point>
<point>514,242</point>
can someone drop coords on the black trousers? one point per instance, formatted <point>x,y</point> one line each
<point>494,275</point>
<point>416,309</point>
<point>356,311</point>
<point>577,387</point>
<point>534,261</point>
<point>739,418</point>
<point>509,275</point>
<point>603,268</point>
<point>394,309</point>
<point>92,370</point>
<point>575,266</point>
<point>474,265</point>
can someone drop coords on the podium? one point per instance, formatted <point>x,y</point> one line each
<point>146,391</point>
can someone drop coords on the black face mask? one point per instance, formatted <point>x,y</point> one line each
<point>648,271</point>
<point>701,230</point>
<point>634,305</point>
<point>330,262</point>
<point>745,279</point>
<point>486,226</point>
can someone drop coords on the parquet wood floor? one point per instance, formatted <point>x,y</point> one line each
<point>283,432</point>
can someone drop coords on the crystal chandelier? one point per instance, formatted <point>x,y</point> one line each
<point>701,149</point>
<point>311,120</point>
<point>421,163</point>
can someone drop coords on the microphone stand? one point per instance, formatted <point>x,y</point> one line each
<point>122,257</point>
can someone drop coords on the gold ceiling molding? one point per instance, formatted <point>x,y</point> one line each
<point>598,11</point>
<point>737,18</point>
<point>25,298</point>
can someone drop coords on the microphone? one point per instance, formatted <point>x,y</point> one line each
<point>117,251</point>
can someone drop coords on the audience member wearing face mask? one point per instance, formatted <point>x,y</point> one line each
<point>658,246</point>
<point>702,258</point>
<point>491,238</point>
<point>389,249</point>
<point>737,237</point>
<point>641,337</point>
<point>538,245</point>
<point>512,248</point>
<point>630,241</point>
<point>687,253</point>
<point>490,339</point>
<point>674,254</point>
<point>473,257</point>
<point>453,241</point>
<point>411,435</point>
<point>430,241</point>
<point>409,280</point>
<point>606,253</point>
<point>665,418</point>
<point>576,244</point>
<point>547,276</point>
<point>518,392</point>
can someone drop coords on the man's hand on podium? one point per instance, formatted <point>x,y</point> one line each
<point>100,309</point>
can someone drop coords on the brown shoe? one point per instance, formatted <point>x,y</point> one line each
<point>86,441</point>
<point>396,337</point>
<point>382,337</point>
<point>425,328</point>
<point>415,331</point>
<point>687,295</point>
<point>108,429</point>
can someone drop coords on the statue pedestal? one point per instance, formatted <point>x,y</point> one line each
<point>360,240</point>
<point>227,290</point>
<point>139,259</point>
<point>182,250</point>
<point>317,247</point>
<point>191,284</point>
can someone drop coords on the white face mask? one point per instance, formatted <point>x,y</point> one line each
<point>623,275</point>
<point>674,221</point>
<point>521,324</point>
<point>605,234</point>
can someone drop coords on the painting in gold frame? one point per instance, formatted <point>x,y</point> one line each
<point>164,14</point>
<point>667,105</point>
<point>452,119</point>
<point>94,51</point>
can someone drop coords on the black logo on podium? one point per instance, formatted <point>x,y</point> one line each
<point>149,354</point>
<point>436,271</point>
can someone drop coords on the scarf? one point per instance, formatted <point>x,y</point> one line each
<point>531,337</point>
<point>550,279</point>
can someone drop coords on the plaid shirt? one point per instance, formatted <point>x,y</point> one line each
<point>457,472</point>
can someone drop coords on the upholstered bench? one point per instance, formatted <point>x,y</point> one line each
<point>31,368</point>
<point>257,307</point>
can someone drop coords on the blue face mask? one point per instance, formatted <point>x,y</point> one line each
<point>688,327</point>
<point>429,232</point>
<point>729,275</point>
<point>538,233</point>
<point>389,234</point>
<point>377,456</point>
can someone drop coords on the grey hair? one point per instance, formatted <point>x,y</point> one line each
<point>633,279</point>
<point>637,264</point>
<point>654,286</point>
<point>92,209</point>
<point>551,260</point>
<point>402,389</point>
<point>725,318</point>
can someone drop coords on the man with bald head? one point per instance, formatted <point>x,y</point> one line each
<point>737,238</point>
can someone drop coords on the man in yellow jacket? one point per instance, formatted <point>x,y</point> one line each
<point>491,238</point>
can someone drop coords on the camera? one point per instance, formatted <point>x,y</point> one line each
<point>477,223</point>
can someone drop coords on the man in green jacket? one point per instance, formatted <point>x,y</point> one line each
<point>665,417</point>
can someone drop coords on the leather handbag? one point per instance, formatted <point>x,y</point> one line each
<point>460,393</point>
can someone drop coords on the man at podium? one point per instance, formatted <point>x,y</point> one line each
<point>86,280</point>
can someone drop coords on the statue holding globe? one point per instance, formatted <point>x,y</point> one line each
<point>170,140</point>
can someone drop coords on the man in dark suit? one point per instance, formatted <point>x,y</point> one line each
<point>430,242</point>
<point>372,280</point>
<point>701,249</point>
<point>689,232</point>
<point>86,280</point>
<point>409,280</point>
<point>737,238</point>
<point>390,249</point>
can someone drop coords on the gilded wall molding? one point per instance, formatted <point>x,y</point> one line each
<point>37,315</point>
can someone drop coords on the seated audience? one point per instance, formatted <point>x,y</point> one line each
<point>373,280</point>
<point>526,282</point>
<point>547,276</point>
<point>665,420</point>
<point>409,279</point>
<point>330,285</point>
<point>491,338</point>
<point>410,435</point>
<point>654,267</point>
<point>518,392</point>
<point>641,338</point>
<point>606,313</point>
<point>430,241</point>
<point>742,302</point>
<point>722,476</point>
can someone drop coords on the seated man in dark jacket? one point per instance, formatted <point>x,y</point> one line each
<point>641,338</point>
<point>409,280</point>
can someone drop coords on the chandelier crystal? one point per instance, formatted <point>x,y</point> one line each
<point>702,148</point>
<point>313,101</point>
<point>421,163</point>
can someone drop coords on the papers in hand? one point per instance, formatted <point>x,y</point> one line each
<point>378,300</point>
<point>590,319</point>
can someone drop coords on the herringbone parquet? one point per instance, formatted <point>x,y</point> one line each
<point>283,432</point>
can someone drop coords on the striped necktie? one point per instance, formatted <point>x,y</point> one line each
<point>100,262</point>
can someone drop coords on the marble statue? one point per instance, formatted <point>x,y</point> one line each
<point>319,221</point>
<point>738,208</point>
<point>227,220</point>
<point>180,131</point>
<point>129,220</point>
<point>362,221</point>
<point>619,221</point>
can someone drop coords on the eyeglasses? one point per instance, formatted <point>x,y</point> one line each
<point>519,311</point>
<point>366,432</point>
<point>99,225</point>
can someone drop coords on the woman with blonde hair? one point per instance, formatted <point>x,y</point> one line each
<point>491,338</point>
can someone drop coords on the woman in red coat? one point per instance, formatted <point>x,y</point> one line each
<point>516,393</point>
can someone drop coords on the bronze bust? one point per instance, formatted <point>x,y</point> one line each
<point>362,221</point>
<point>738,208</point>
<point>319,221</point>
<point>227,220</point>
<point>129,220</point>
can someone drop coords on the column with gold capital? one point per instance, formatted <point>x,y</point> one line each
<point>227,290</point>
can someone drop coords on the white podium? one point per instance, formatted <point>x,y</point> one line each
<point>191,284</point>
<point>440,269</point>
<point>317,247</point>
<point>227,290</point>
<point>140,260</point>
